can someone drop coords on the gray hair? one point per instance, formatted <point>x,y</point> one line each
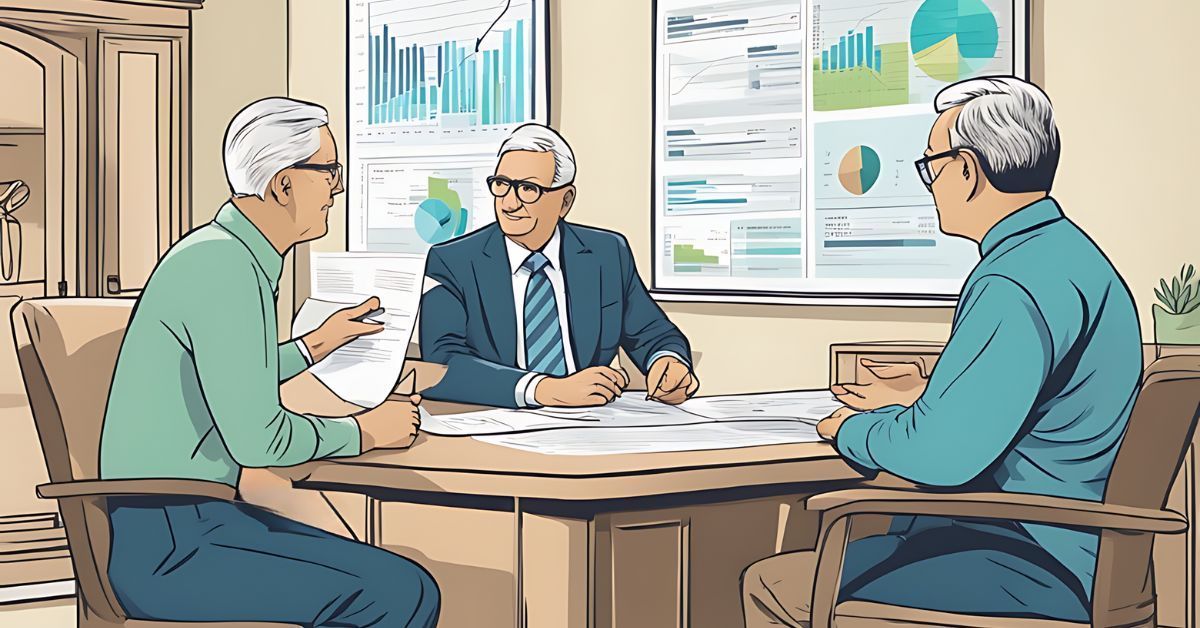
<point>540,138</point>
<point>1009,123</point>
<point>267,136</point>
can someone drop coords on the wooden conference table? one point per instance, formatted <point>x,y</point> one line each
<point>517,538</point>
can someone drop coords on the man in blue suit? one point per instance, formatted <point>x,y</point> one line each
<point>531,311</point>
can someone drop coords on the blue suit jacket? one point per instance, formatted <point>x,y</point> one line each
<point>468,322</point>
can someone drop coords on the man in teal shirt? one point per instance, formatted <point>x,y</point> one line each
<point>195,395</point>
<point>1032,393</point>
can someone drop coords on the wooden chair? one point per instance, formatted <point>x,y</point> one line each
<point>1133,511</point>
<point>67,349</point>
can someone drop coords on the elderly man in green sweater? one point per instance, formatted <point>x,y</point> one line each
<point>195,396</point>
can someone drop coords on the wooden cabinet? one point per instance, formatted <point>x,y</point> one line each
<point>141,167</point>
<point>112,130</point>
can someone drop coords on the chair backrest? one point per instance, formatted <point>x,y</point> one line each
<point>67,349</point>
<point>1160,431</point>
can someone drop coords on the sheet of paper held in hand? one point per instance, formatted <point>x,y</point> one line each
<point>365,371</point>
<point>633,424</point>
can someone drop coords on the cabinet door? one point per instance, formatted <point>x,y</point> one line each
<point>140,158</point>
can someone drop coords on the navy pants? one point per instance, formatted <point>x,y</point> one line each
<point>201,560</point>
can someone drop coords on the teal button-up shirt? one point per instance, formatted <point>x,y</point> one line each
<point>1034,389</point>
<point>195,394</point>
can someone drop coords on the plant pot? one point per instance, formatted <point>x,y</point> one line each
<point>1176,329</point>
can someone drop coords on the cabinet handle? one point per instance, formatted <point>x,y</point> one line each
<point>114,284</point>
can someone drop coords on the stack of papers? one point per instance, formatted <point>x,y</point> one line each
<point>632,424</point>
<point>638,440</point>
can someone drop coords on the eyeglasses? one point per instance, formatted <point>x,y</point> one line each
<point>334,170</point>
<point>527,191</point>
<point>926,174</point>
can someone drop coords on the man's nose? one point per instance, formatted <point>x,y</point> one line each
<point>338,188</point>
<point>509,202</point>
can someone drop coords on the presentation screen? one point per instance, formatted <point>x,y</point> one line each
<point>434,87</point>
<point>784,139</point>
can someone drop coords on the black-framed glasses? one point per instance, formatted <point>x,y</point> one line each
<point>334,169</point>
<point>923,170</point>
<point>527,191</point>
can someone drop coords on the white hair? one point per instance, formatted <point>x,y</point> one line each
<point>267,136</point>
<point>1009,123</point>
<point>540,138</point>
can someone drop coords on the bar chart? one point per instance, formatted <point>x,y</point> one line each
<point>755,139</point>
<point>732,19</point>
<point>733,193</point>
<point>767,249</point>
<point>452,77</point>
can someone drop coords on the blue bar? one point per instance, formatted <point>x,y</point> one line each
<point>519,111</point>
<point>858,44</point>
<point>870,46</point>
<point>444,79</point>
<point>824,60</point>
<point>507,62</point>
<point>842,53</point>
<point>453,78</point>
<point>472,101</point>
<point>497,104</point>
<point>424,105</point>
<point>414,82</point>
<point>879,61</point>
<point>853,60</point>
<point>461,70</point>
<point>887,244</point>
<point>372,70</point>
<point>439,73</point>
<point>486,105</point>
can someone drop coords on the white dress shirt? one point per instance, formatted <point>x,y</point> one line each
<point>517,254</point>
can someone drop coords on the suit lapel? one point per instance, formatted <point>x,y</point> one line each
<point>493,280</point>
<point>582,274</point>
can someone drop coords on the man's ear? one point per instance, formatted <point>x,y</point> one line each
<point>281,188</point>
<point>972,172</point>
<point>568,201</point>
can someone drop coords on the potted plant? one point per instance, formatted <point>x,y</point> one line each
<point>1177,314</point>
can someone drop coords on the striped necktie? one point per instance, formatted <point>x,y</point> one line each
<point>543,334</point>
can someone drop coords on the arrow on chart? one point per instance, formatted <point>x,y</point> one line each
<point>479,40</point>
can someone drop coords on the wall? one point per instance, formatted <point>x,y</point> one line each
<point>1111,133</point>
<point>239,54</point>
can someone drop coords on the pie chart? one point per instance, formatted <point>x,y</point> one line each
<point>859,170</point>
<point>436,223</point>
<point>953,39</point>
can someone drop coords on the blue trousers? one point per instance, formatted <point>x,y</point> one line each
<point>970,567</point>
<point>200,560</point>
<point>975,567</point>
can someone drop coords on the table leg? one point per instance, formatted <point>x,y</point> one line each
<point>554,568</point>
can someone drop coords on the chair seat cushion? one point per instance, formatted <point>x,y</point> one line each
<point>871,615</point>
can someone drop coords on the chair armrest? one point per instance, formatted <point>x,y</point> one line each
<point>155,486</point>
<point>1013,506</point>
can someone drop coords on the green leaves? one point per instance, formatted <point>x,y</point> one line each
<point>1182,295</point>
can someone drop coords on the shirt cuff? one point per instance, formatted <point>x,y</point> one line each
<point>659,354</point>
<point>337,438</point>
<point>852,436</point>
<point>304,351</point>
<point>526,388</point>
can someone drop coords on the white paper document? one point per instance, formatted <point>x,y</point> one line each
<point>632,424</point>
<point>365,371</point>
<point>636,440</point>
<point>626,411</point>
<point>805,405</point>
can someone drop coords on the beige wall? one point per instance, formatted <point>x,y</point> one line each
<point>239,54</point>
<point>1122,177</point>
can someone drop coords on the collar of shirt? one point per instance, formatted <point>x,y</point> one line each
<point>268,259</point>
<point>1023,220</point>
<point>517,254</point>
